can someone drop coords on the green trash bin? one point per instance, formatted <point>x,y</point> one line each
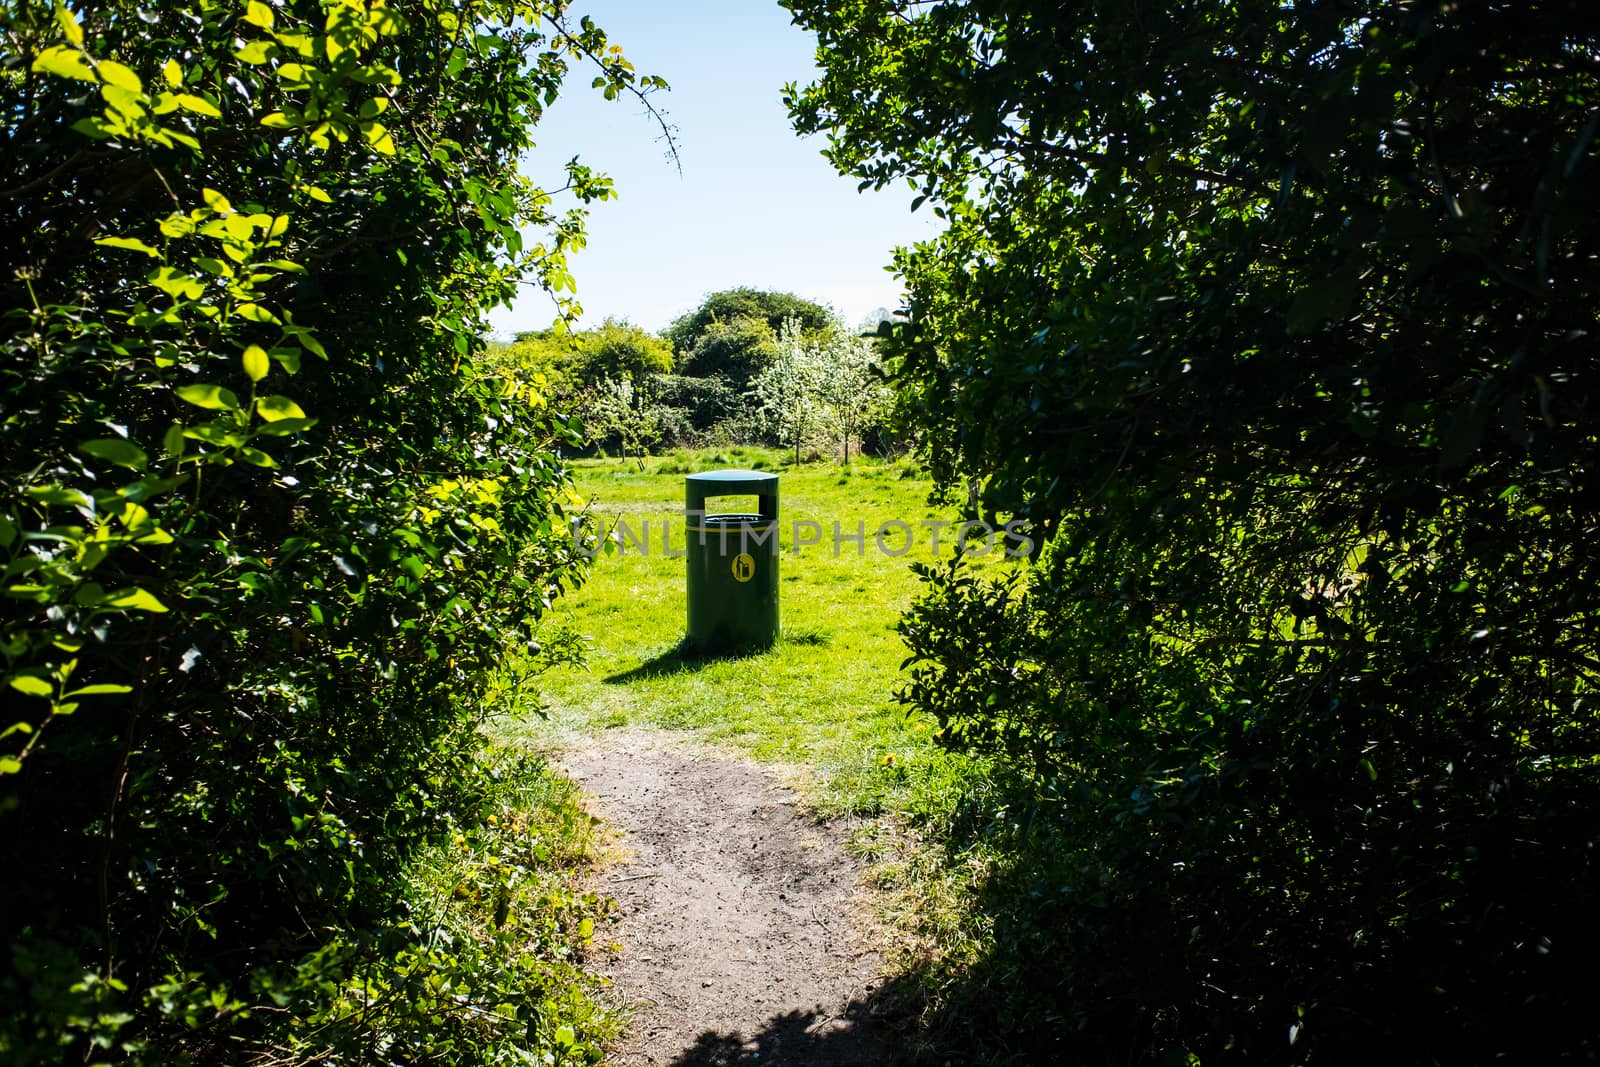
<point>733,562</point>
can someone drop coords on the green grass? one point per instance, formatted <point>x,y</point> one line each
<point>821,700</point>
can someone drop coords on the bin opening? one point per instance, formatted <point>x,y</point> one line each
<point>742,504</point>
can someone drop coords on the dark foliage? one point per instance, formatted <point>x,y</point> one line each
<point>703,402</point>
<point>1277,322</point>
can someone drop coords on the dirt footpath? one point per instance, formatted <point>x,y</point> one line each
<point>740,939</point>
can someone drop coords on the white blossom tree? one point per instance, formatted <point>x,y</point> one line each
<point>854,396</point>
<point>790,391</point>
<point>617,407</point>
<point>821,384</point>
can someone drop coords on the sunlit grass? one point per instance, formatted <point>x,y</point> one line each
<point>822,700</point>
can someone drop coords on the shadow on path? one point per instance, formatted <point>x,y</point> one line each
<point>795,1039</point>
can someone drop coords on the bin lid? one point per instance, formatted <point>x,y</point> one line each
<point>732,482</point>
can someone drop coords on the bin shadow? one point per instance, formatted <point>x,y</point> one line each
<point>682,658</point>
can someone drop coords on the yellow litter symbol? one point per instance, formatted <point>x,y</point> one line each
<point>744,567</point>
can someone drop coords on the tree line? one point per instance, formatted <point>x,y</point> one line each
<point>747,366</point>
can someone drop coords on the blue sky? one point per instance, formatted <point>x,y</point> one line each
<point>755,205</point>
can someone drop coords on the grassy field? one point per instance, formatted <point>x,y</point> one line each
<point>820,701</point>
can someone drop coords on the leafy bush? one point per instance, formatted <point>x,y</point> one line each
<point>267,527</point>
<point>705,402</point>
<point>616,410</point>
<point>735,351</point>
<point>732,305</point>
<point>619,349</point>
<point>561,362</point>
<point>1276,324</point>
<point>545,359</point>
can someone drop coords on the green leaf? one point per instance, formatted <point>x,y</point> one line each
<point>176,284</point>
<point>32,685</point>
<point>124,101</point>
<point>93,127</point>
<point>216,201</point>
<point>134,600</point>
<point>312,345</point>
<point>57,494</point>
<point>255,313</point>
<point>258,14</point>
<point>288,357</point>
<point>133,244</point>
<point>212,265</point>
<point>378,137</point>
<point>273,408</point>
<point>117,451</point>
<point>255,53</point>
<point>8,532</point>
<point>100,689</point>
<point>284,427</point>
<point>256,457</point>
<point>222,433</point>
<point>64,63</point>
<point>256,363</point>
<point>115,74</point>
<point>172,73</point>
<point>173,443</point>
<point>198,105</point>
<point>69,25</point>
<point>210,397</point>
<point>10,765</point>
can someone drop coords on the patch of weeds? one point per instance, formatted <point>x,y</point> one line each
<point>480,963</point>
<point>503,924</point>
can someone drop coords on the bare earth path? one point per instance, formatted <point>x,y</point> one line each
<point>739,939</point>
